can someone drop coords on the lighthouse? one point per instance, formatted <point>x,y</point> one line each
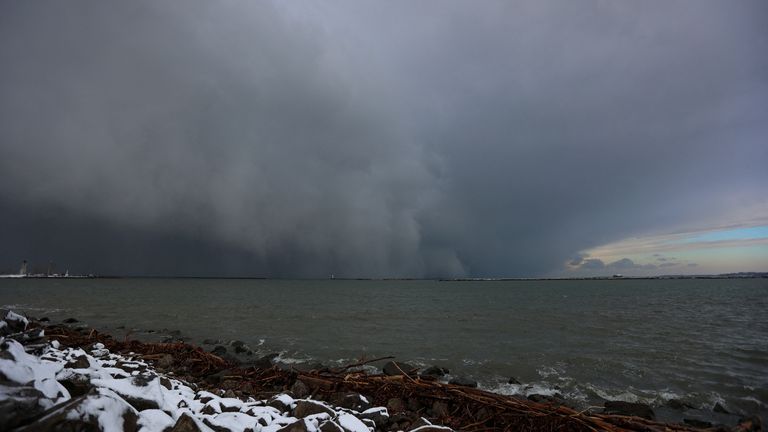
<point>23,270</point>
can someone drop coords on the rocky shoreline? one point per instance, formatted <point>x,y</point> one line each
<point>69,377</point>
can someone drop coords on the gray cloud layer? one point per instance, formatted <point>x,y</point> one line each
<point>371,139</point>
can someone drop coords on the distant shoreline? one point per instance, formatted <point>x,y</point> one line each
<point>744,275</point>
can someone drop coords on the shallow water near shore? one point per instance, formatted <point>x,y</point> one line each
<point>697,341</point>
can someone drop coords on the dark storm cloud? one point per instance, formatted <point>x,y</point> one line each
<point>372,139</point>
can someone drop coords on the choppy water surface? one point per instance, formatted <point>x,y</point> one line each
<point>700,341</point>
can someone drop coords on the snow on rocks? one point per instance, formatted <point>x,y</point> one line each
<point>52,387</point>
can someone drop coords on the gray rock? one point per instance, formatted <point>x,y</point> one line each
<point>349,400</point>
<point>629,409</point>
<point>434,371</point>
<point>165,382</point>
<point>306,407</point>
<point>556,398</point>
<point>185,423</point>
<point>20,406</point>
<point>379,418</point>
<point>266,362</point>
<point>76,384</point>
<point>276,403</point>
<point>697,423</point>
<point>719,408</point>
<point>73,416</point>
<point>299,426</point>
<point>392,368</point>
<point>462,381</point>
<point>678,404</point>
<point>219,350</point>
<point>330,426</point>
<point>79,362</point>
<point>299,389</point>
<point>513,380</point>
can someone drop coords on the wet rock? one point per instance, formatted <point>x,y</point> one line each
<point>392,368</point>
<point>265,362</point>
<point>305,408</point>
<point>395,405</point>
<point>211,342</point>
<point>79,362</point>
<point>299,426</point>
<point>440,409</point>
<point>629,409</point>
<point>513,380</point>
<point>465,382</point>
<point>434,371</point>
<point>697,423</point>
<point>556,398</point>
<point>219,350</point>
<point>719,408</point>
<point>299,389</point>
<point>70,321</point>
<point>310,366</point>
<point>45,319</point>
<point>677,404</point>
<point>185,423</point>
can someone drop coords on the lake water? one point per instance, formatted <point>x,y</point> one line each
<point>699,341</point>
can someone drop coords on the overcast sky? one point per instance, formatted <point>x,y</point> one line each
<point>371,139</point>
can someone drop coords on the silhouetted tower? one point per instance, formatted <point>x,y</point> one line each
<point>23,270</point>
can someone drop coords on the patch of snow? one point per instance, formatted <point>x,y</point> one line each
<point>285,399</point>
<point>431,428</point>
<point>154,420</point>
<point>352,423</point>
